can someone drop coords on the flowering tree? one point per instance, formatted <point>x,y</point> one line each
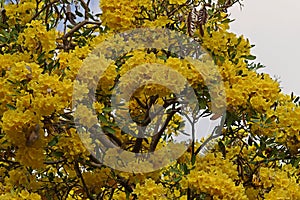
<point>96,106</point>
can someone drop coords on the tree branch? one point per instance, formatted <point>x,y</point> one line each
<point>156,137</point>
<point>45,7</point>
<point>78,172</point>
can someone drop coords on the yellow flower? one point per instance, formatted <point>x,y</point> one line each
<point>20,13</point>
<point>178,2</point>
<point>36,39</point>
<point>150,190</point>
<point>118,15</point>
<point>98,107</point>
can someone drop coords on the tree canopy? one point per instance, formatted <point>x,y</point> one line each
<point>108,105</point>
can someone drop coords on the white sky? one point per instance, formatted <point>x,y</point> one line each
<point>274,27</point>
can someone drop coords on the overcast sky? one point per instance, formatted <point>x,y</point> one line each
<point>274,27</point>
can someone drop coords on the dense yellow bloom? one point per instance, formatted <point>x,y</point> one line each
<point>282,185</point>
<point>118,15</point>
<point>98,107</point>
<point>161,21</point>
<point>20,13</point>
<point>73,145</point>
<point>150,190</point>
<point>238,82</point>
<point>99,178</point>
<point>215,183</point>
<point>36,39</point>
<point>179,2</point>
<point>85,116</point>
<point>23,195</point>
<point>49,148</point>
<point>211,162</point>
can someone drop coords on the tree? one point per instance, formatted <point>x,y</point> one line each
<point>95,106</point>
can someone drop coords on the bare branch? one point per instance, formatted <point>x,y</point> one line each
<point>79,174</point>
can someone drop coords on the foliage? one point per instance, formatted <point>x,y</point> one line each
<point>43,45</point>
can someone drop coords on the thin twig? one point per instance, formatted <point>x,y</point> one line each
<point>86,9</point>
<point>77,27</point>
<point>45,7</point>
<point>78,172</point>
<point>156,137</point>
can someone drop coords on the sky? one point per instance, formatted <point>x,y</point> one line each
<point>273,26</point>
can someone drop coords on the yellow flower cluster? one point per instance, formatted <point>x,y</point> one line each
<point>70,62</point>
<point>283,185</point>
<point>40,144</point>
<point>179,2</point>
<point>214,176</point>
<point>230,52</point>
<point>18,178</point>
<point>214,161</point>
<point>30,96</point>
<point>119,15</point>
<point>74,146</point>
<point>99,178</point>
<point>52,94</point>
<point>161,21</point>
<point>242,93</point>
<point>150,190</point>
<point>85,116</point>
<point>280,123</point>
<point>220,41</point>
<point>36,39</point>
<point>20,13</point>
<point>13,66</point>
<point>23,195</point>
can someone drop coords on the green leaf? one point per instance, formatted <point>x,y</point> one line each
<point>107,109</point>
<point>102,118</point>
<point>78,13</point>
<point>185,168</point>
<point>41,57</point>
<point>177,179</point>
<point>222,147</point>
<point>51,176</point>
<point>193,159</point>
<point>263,145</point>
<point>163,57</point>
<point>58,154</point>
<point>270,120</point>
<point>202,103</point>
<point>249,57</point>
<point>295,162</point>
<point>109,130</point>
<point>53,141</point>
<point>3,39</point>
<point>296,99</point>
<point>11,107</point>
<point>239,40</point>
<point>221,58</point>
<point>5,141</point>
<point>240,72</point>
<point>70,26</point>
<point>250,141</point>
<point>254,66</point>
<point>6,34</point>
